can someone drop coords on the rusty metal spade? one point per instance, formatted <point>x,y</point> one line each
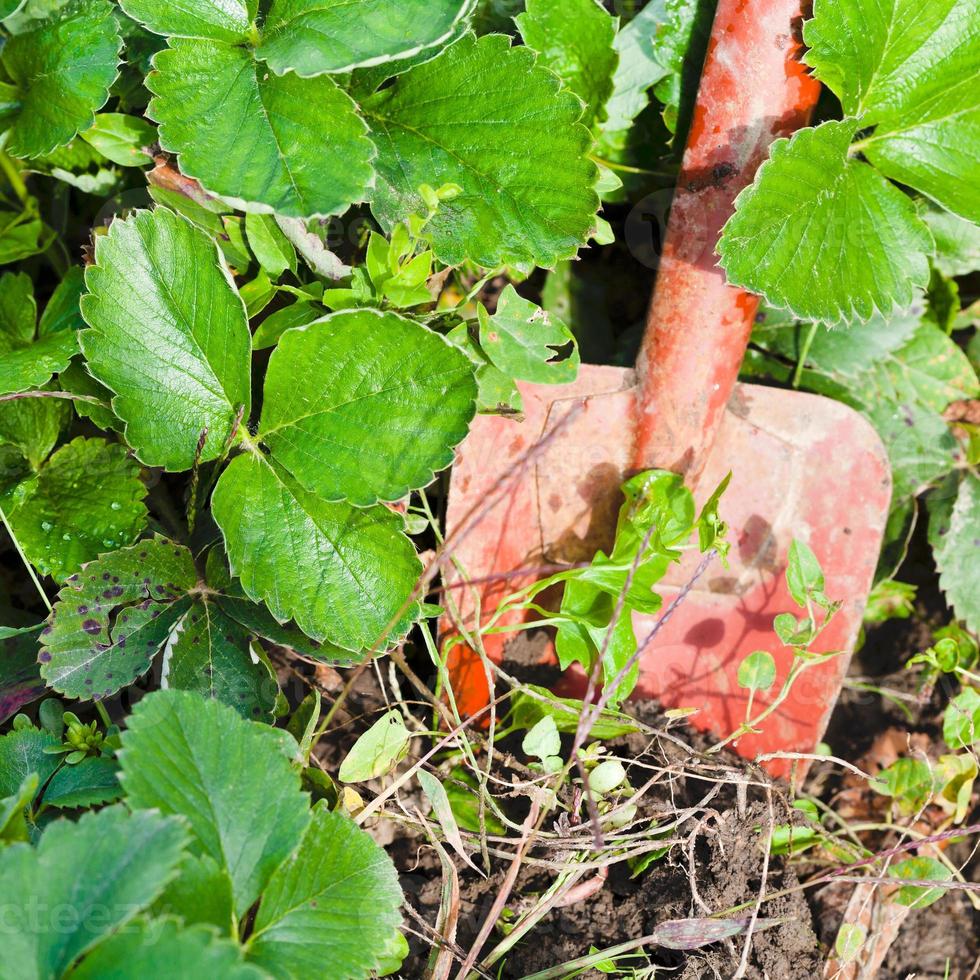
<point>802,466</point>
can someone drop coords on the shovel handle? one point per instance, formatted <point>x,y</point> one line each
<point>753,90</point>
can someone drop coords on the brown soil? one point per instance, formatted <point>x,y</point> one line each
<point>723,866</point>
<point>728,859</point>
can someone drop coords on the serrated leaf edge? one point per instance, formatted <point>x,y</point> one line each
<point>242,204</point>
<point>438,466</point>
<point>466,9</point>
<point>748,192</point>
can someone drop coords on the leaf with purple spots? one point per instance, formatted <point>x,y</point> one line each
<point>20,681</point>
<point>212,654</point>
<point>114,616</point>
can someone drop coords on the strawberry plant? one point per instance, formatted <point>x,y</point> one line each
<point>359,403</point>
<point>861,289</point>
<point>265,264</point>
<point>200,835</point>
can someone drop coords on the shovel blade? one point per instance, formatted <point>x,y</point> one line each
<point>802,467</point>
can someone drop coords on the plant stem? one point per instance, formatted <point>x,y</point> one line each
<point>103,714</point>
<point>54,394</point>
<point>23,558</point>
<point>12,174</point>
<point>640,171</point>
<point>804,353</point>
<point>593,959</point>
<point>799,665</point>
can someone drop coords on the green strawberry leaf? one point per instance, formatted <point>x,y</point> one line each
<point>81,166</point>
<point>957,242</point>
<point>61,68</point>
<point>269,245</point>
<point>344,574</point>
<point>169,336</point>
<point>335,900</point>
<point>87,499</point>
<point>432,127</point>
<point>824,235</point>
<point>634,134</point>
<point>23,753</point>
<point>931,366</point>
<point>34,365</point>
<point>900,371</point>
<point>22,233</point>
<point>210,653</point>
<point>257,619</point>
<point>20,680</point>
<point>105,868</point>
<point>18,311</point>
<point>265,142</point>
<point>575,39</point>
<point>298,314</point>
<point>201,893</point>
<point>366,81</point>
<point>91,782</point>
<point>221,20</point>
<point>121,138</point>
<point>526,342</point>
<point>636,71</point>
<point>313,37</point>
<point>32,426</point>
<point>678,52</point>
<point>62,311</point>
<point>163,948</point>
<point>954,533</point>
<point>14,810</point>
<point>112,618</point>
<point>76,379</point>
<point>383,403</point>
<point>921,449</point>
<point>909,70</point>
<point>26,363</point>
<point>844,351</point>
<point>226,776</point>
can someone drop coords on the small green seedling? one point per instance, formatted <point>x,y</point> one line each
<point>757,672</point>
<point>378,750</point>
<point>850,938</point>
<point>543,742</point>
<point>919,869</point>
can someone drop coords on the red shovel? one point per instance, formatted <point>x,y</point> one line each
<point>802,466</point>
